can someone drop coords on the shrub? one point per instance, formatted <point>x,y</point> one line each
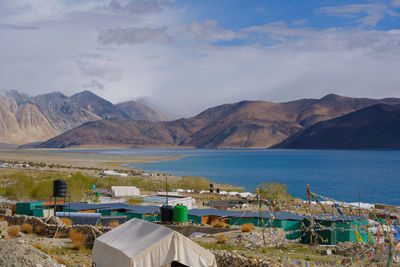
<point>78,239</point>
<point>219,224</point>
<point>222,239</point>
<point>13,230</point>
<point>27,228</point>
<point>113,224</point>
<point>60,260</point>
<point>38,229</point>
<point>66,221</point>
<point>247,227</point>
<point>38,246</point>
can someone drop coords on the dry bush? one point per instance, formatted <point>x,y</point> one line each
<point>60,260</point>
<point>27,228</point>
<point>247,227</point>
<point>1,219</point>
<point>113,224</point>
<point>13,230</point>
<point>78,239</point>
<point>66,221</point>
<point>222,239</point>
<point>38,229</point>
<point>219,224</point>
<point>264,249</point>
<point>38,246</point>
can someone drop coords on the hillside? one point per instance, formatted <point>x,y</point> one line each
<point>25,119</point>
<point>377,127</point>
<point>254,124</point>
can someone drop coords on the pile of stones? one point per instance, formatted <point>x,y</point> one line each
<point>274,237</point>
<point>351,248</point>
<point>234,259</point>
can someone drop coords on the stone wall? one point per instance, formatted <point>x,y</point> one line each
<point>53,224</point>
<point>232,259</point>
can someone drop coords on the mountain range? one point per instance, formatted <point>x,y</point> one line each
<point>249,124</point>
<point>25,119</point>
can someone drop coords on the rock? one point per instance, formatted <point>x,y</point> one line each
<point>327,252</point>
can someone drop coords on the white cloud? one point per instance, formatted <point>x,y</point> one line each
<point>138,7</point>
<point>135,36</point>
<point>209,30</point>
<point>366,14</point>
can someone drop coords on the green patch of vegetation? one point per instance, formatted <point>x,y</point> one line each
<point>274,192</point>
<point>218,246</point>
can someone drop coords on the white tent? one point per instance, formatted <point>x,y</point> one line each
<point>139,243</point>
<point>125,191</point>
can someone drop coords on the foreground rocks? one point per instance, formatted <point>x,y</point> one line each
<point>233,259</point>
<point>15,253</point>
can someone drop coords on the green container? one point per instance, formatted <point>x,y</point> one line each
<point>180,213</point>
<point>38,213</point>
<point>93,186</point>
<point>24,208</point>
<point>97,194</point>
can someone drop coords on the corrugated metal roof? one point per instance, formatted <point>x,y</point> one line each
<point>143,209</point>
<point>213,212</point>
<point>326,217</point>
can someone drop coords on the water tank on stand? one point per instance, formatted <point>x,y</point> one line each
<point>180,213</point>
<point>59,188</point>
<point>167,214</point>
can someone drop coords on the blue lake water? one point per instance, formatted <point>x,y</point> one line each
<point>338,174</point>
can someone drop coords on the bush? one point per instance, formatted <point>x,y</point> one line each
<point>219,224</point>
<point>13,230</point>
<point>274,191</point>
<point>113,224</point>
<point>222,239</point>
<point>66,221</point>
<point>247,227</point>
<point>38,246</point>
<point>38,229</point>
<point>78,239</point>
<point>27,228</point>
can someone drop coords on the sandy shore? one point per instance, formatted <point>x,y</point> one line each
<point>77,159</point>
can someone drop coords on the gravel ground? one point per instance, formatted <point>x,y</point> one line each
<point>15,253</point>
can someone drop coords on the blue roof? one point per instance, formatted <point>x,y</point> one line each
<point>326,217</point>
<point>143,209</point>
<point>213,212</point>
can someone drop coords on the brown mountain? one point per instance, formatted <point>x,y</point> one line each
<point>377,127</point>
<point>137,111</point>
<point>244,124</point>
<point>25,119</point>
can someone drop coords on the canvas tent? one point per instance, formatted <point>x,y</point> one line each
<point>138,243</point>
<point>125,191</point>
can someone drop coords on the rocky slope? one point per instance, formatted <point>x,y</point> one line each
<point>375,127</point>
<point>244,124</point>
<point>25,119</point>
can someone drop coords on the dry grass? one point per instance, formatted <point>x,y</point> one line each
<point>264,249</point>
<point>13,230</point>
<point>247,227</point>
<point>113,224</point>
<point>222,239</point>
<point>38,246</point>
<point>1,219</point>
<point>66,221</point>
<point>27,228</point>
<point>78,239</point>
<point>60,260</point>
<point>38,229</point>
<point>219,224</point>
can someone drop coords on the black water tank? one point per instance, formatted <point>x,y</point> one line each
<point>167,213</point>
<point>211,185</point>
<point>218,190</point>
<point>59,188</point>
<point>211,190</point>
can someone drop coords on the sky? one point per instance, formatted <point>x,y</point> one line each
<point>183,56</point>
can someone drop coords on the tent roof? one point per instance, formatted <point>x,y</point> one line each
<point>141,243</point>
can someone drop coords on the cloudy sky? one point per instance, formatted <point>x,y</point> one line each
<point>183,56</point>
